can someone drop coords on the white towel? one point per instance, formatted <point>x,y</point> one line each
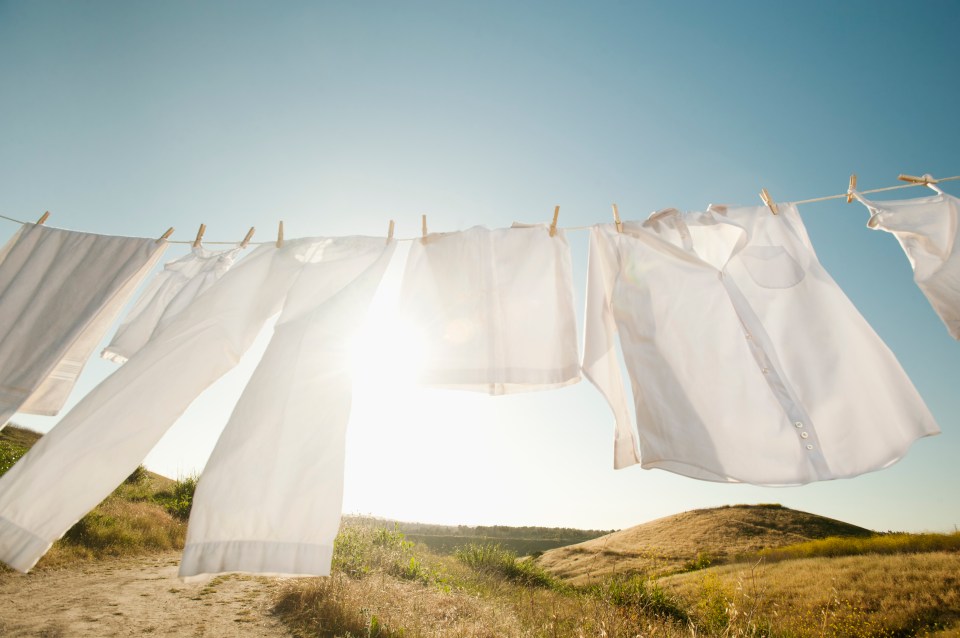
<point>59,292</point>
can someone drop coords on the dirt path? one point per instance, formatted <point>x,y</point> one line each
<point>134,597</point>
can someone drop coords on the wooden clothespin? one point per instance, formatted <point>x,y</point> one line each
<point>43,218</point>
<point>280,235</point>
<point>203,229</point>
<point>616,219</point>
<point>423,225</point>
<point>166,235</point>
<point>772,205</point>
<point>390,232</point>
<point>913,179</point>
<point>553,224</point>
<point>926,180</point>
<point>246,240</point>
<point>852,187</point>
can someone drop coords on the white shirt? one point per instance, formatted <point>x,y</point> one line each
<point>748,362</point>
<point>927,229</point>
<point>493,309</point>
<point>166,296</point>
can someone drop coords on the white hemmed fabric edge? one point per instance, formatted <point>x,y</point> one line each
<point>20,548</point>
<point>203,560</point>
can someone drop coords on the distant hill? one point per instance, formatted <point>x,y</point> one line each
<point>694,538</point>
<point>526,540</point>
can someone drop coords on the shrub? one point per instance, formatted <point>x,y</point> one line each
<point>179,499</point>
<point>138,476</point>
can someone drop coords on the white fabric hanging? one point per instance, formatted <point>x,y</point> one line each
<point>493,309</point>
<point>748,362</point>
<point>927,229</point>
<point>172,290</point>
<point>292,421</point>
<point>101,440</point>
<point>59,292</point>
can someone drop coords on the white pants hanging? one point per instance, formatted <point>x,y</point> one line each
<point>270,498</point>
<point>106,435</point>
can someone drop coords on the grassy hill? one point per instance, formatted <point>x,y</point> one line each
<point>691,540</point>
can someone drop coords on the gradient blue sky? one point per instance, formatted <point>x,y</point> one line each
<point>129,117</point>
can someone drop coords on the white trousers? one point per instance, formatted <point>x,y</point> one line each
<point>270,498</point>
<point>106,435</point>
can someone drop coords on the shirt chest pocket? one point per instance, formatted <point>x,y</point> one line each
<point>771,266</point>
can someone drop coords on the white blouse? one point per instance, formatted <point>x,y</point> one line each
<point>166,296</point>
<point>748,362</point>
<point>927,229</point>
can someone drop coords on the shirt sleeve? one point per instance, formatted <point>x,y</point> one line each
<point>600,363</point>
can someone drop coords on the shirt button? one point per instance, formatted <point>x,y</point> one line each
<point>798,424</point>
<point>748,336</point>
<point>804,435</point>
<point>720,275</point>
<point>765,370</point>
<point>809,447</point>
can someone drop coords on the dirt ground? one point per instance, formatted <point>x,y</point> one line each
<point>134,597</point>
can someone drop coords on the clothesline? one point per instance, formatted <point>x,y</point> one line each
<point>914,181</point>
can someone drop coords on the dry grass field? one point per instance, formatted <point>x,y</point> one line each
<point>856,596</point>
<point>384,586</point>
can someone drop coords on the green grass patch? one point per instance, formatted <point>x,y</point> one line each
<point>362,549</point>
<point>10,453</point>
<point>494,559</point>
<point>641,594</point>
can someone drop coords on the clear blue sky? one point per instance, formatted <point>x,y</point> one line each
<point>129,117</point>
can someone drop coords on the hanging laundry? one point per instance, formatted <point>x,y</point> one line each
<point>294,411</point>
<point>748,362</point>
<point>59,292</point>
<point>494,309</point>
<point>95,446</point>
<point>927,229</point>
<point>166,296</point>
